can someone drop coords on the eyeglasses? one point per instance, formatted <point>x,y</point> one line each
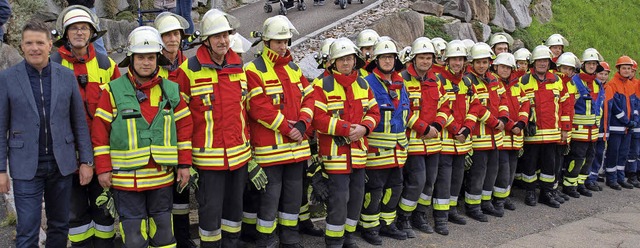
<point>386,57</point>
<point>77,29</point>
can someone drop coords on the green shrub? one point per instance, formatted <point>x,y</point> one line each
<point>434,27</point>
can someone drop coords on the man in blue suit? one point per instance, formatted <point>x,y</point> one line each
<point>44,136</point>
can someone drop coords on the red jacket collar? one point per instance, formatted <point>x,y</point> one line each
<point>67,55</point>
<point>232,61</point>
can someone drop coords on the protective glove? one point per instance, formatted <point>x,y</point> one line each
<point>193,181</point>
<point>632,124</point>
<point>565,149</point>
<point>520,152</point>
<point>320,187</point>
<point>257,175</point>
<point>468,161</point>
<point>316,165</point>
<point>340,141</point>
<point>105,202</point>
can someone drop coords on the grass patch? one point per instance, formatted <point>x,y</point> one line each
<point>610,26</point>
<point>9,221</point>
<point>434,27</point>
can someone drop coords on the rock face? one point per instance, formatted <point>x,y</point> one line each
<point>119,4</point>
<point>480,10</point>
<point>426,7</point>
<point>486,32</point>
<point>404,27</point>
<point>117,33</point>
<point>542,10</point>
<point>460,30</point>
<point>503,19</point>
<point>10,56</point>
<point>519,10</point>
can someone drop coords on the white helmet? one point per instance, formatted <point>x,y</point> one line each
<point>142,40</point>
<point>75,14</point>
<point>322,56</point>
<point>384,45</point>
<point>505,59</point>
<point>455,48</point>
<point>343,47</point>
<point>540,52</point>
<point>556,40</point>
<point>480,51</point>
<point>500,38</point>
<point>568,59</point>
<point>239,44</point>
<point>166,22</point>
<point>468,43</point>
<point>419,46</point>
<point>366,38</point>
<point>404,54</point>
<point>439,44</point>
<point>278,28</point>
<point>591,54</point>
<point>522,54</point>
<point>216,21</point>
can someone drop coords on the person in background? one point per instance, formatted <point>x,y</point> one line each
<point>183,8</point>
<point>99,43</point>
<point>592,181</point>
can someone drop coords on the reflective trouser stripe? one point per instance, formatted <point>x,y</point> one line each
<point>547,178</point>
<point>388,217</point>
<point>486,195</point>
<point>210,236</point>
<point>81,233</point>
<point>287,219</point>
<point>472,199</point>
<point>104,232</point>
<point>453,201</point>
<point>582,178</point>
<point>304,212</point>
<point>249,218</point>
<point>335,231</point>
<point>440,204</point>
<point>407,205</point>
<point>265,226</point>
<point>501,192</point>
<point>570,181</point>
<point>369,221</point>
<point>231,226</point>
<point>180,209</point>
<point>350,225</point>
<point>424,199</point>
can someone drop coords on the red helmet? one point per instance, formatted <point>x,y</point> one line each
<point>605,65</point>
<point>635,65</point>
<point>624,60</point>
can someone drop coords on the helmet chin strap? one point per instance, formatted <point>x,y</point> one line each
<point>137,74</point>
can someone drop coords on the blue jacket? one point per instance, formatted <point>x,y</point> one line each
<point>20,123</point>
<point>5,13</point>
<point>397,116</point>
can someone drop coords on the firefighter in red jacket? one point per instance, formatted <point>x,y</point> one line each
<point>365,40</point>
<point>545,92</point>
<point>280,109</point>
<point>487,134</point>
<point>89,225</point>
<point>439,45</point>
<point>522,56</point>
<point>172,28</point>
<point>141,134</point>
<point>215,86</point>
<point>556,43</point>
<point>505,69</point>
<point>430,111</point>
<point>345,111</point>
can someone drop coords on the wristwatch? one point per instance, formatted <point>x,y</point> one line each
<point>90,164</point>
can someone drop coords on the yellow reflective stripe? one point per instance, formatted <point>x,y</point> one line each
<point>249,218</point>
<point>167,130</point>
<point>321,105</point>
<point>102,114</point>
<point>181,114</point>
<point>132,133</point>
<point>153,228</point>
<point>472,199</point>
<point>104,232</point>
<point>101,150</point>
<point>307,111</point>
<point>547,178</point>
<point>388,217</point>
<point>407,205</point>
<point>350,225</point>
<point>501,192</point>
<point>254,92</point>
<point>307,90</point>
<point>231,226</point>
<point>199,90</point>
<point>208,134</point>
<point>335,231</point>
<point>180,209</point>
<point>210,236</point>
<point>265,226</point>
<point>275,124</point>
<point>81,233</point>
<point>184,145</point>
<point>441,204</point>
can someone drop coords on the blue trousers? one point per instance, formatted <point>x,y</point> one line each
<point>183,8</point>
<point>598,161</point>
<point>56,189</point>
<point>616,156</point>
<point>632,158</point>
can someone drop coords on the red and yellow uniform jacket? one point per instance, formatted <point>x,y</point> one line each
<point>171,71</point>
<point>152,175</point>
<point>490,93</point>
<point>567,107</point>
<point>465,109</point>
<point>93,71</point>
<point>341,101</point>
<point>547,96</point>
<point>519,106</point>
<point>428,107</point>
<point>216,96</point>
<point>278,93</point>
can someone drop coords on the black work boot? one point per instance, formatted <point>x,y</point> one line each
<point>372,237</point>
<point>498,206</point>
<point>508,204</point>
<point>307,227</point>
<point>530,198</point>
<point>559,196</point>
<point>571,191</point>
<point>392,231</point>
<point>349,240</point>
<point>488,208</point>
<point>404,224</point>
<point>633,179</point>
<point>583,190</point>
<point>266,241</point>
<point>231,242</point>
<point>333,242</point>
<point>593,186</point>
<point>546,197</point>
<point>474,212</point>
<point>419,221</point>
<point>214,244</point>
<point>625,185</point>
<point>613,185</point>
<point>440,222</point>
<point>455,217</point>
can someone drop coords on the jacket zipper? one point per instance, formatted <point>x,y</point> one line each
<point>44,113</point>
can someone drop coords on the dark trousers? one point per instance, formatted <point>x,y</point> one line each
<point>558,167</point>
<point>346,194</point>
<point>632,158</point>
<point>598,161</point>
<point>437,184</point>
<point>180,213</point>
<point>382,193</point>
<point>616,157</point>
<point>28,199</point>
<point>415,176</point>
<point>183,8</point>
<point>575,163</point>
<point>304,204</point>
<point>481,176</point>
<point>89,226</point>
<point>457,176</point>
<point>282,199</point>
<point>145,217</point>
<point>508,161</point>
<point>542,157</point>
<point>220,205</point>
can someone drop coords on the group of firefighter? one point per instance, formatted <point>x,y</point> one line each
<point>387,138</point>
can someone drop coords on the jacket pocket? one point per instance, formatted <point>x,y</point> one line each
<point>16,143</point>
